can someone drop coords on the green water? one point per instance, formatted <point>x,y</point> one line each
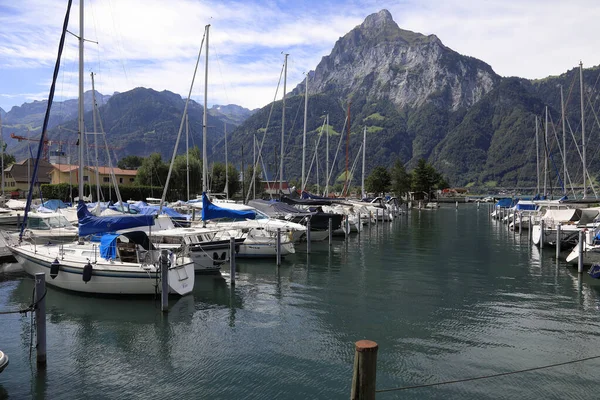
<point>447,294</point>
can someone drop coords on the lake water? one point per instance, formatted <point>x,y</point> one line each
<point>447,294</point>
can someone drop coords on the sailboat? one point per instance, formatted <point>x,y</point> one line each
<point>125,263</point>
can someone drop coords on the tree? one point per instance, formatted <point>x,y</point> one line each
<point>130,162</point>
<point>257,183</point>
<point>401,179</point>
<point>426,179</point>
<point>152,172</point>
<point>378,181</point>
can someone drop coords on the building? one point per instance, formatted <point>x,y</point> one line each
<point>17,176</point>
<point>272,187</point>
<point>66,173</point>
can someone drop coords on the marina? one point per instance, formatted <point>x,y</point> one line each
<point>447,295</point>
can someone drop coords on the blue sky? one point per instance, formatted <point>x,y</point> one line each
<point>154,43</point>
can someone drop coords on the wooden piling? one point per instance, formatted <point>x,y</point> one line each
<point>232,260</point>
<point>330,230</point>
<point>40,318</point>
<point>558,229</point>
<point>164,276</point>
<point>581,247</point>
<point>520,224</point>
<point>542,228</point>
<point>530,233</point>
<point>359,226</point>
<point>308,235</point>
<point>278,247</point>
<point>365,370</point>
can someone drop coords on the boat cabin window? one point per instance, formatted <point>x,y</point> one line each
<point>36,223</point>
<point>59,222</point>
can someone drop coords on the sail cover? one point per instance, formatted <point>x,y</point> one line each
<point>210,211</point>
<point>90,224</point>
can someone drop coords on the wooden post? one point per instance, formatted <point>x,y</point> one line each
<point>530,233</point>
<point>542,228</point>
<point>457,204</point>
<point>40,318</point>
<point>330,232</point>
<point>581,247</point>
<point>520,223</point>
<point>558,229</point>
<point>376,217</point>
<point>347,223</point>
<point>370,218</point>
<point>278,247</point>
<point>359,226</point>
<point>365,370</point>
<point>164,276</point>
<point>308,235</point>
<point>232,260</point>
<point>193,214</point>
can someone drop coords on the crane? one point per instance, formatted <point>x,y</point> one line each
<point>48,142</point>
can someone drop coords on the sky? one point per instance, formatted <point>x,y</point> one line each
<point>155,43</point>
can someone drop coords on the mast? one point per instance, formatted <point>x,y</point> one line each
<point>187,154</point>
<point>282,125</point>
<point>2,144</point>
<point>205,120</point>
<point>346,183</point>
<point>81,111</point>
<point>546,154</point>
<point>582,130</point>
<point>226,167</point>
<point>254,167</point>
<point>562,108</point>
<point>95,139</point>
<point>362,182</point>
<point>327,157</point>
<point>537,154</point>
<point>303,182</point>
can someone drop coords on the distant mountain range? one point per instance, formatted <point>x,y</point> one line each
<point>138,122</point>
<point>415,97</point>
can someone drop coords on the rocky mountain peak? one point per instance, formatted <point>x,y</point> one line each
<point>381,61</point>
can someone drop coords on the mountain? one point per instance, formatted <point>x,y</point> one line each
<point>231,113</point>
<point>138,122</point>
<point>417,98</point>
<point>2,113</point>
<point>142,121</point>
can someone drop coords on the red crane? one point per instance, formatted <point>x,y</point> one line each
<point>48,143</point>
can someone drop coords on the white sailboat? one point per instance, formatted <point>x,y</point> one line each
<point>119,264</point>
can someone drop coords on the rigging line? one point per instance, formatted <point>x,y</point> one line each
<point>46,118</point>
<point>525,159</point>
<point>119,42</point>
<point>577,148</point>
<point>303,184</point>
<point>487,376</point>
<point>164,194</point>
<point>263,141</point>
<point>358,154</point>
<point>330,172</point>
<point>214,49</point>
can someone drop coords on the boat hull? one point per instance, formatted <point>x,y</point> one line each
<point>107,278</point>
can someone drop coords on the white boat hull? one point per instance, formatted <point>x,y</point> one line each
<point>107,277</point>
<point>264,250</point>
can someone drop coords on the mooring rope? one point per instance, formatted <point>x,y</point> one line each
<point>487,376</point>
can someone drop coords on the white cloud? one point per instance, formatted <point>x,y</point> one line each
<point>153,43</point>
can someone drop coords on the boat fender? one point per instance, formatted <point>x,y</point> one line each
<point>87,272</point>
<point>54,268</point>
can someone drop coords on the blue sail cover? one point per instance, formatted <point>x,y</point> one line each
<point>504,203</point>
<point>54,204</point>
<point>210,211</point>
<point>108,246</point>
<point>90,224</point>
